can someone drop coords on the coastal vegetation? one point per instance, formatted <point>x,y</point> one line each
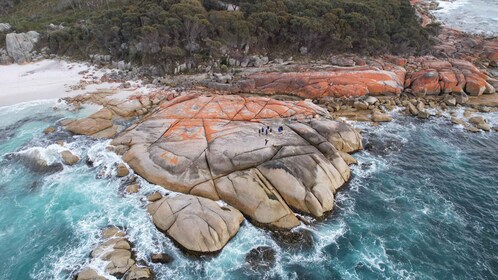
<point>192,31</point>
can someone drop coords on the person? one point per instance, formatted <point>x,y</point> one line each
<point>280,129</point>
<point>266,132</point>
<point>259,132</point>
<point>266,142</point>
<point>271,130</point>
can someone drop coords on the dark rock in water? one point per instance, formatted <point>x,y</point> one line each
<point>34,161</point>
<point>89,162</point>
<point>385,146</point>
<point>161,258</point>
<point>261,258</point>
<point>299,239</point>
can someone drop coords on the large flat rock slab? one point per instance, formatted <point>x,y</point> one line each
<point>221,148</point>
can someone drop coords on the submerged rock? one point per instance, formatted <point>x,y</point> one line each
<point>261,258</point>
<point>34,160</point>
<point>299,239</point>
<point>197,224</point>
<point>161,258</point>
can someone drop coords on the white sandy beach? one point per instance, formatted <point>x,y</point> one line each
<point>46,79</point>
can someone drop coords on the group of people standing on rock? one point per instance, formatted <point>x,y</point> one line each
<point>268,130</point>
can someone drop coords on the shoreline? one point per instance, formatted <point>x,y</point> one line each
<point>179,128</point>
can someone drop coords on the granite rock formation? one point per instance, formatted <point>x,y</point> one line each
<point>218,147</point>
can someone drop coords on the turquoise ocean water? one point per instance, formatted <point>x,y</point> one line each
<point>422,204</point>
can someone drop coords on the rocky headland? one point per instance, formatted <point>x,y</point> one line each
<point>264,140</point>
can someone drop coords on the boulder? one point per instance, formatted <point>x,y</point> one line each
<point>450,100</point>
<point>461,97</point>
<point>433,77</point>
<point>120,243</point>
<point>426,83</point>
<point>371,100</point>
<point>20,45</point>
<point>112,231</point>
<point>381,117</point>
<point>358,105</point>
<point>133,188</point>
<point>122,170</point>
<point>456,120</point>
<point>209,146</point>
<point>197,224</point>
<point>49,130</point>
<point>5,27</point>
<point>139,273</point>
<point>115,254</point>
<point>477,120</point>
<point>161,258</point>
<point>88,126</point>
<point>154,197</point>
<point>411,109</point>
<point>69,158</point>
<point>89,274</point>
<point>484,126</point>
<point>475,86</point>
<point>423,114</point>
<point>120,261</point>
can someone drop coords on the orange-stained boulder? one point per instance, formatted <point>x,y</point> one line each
<point>475,85</point>
<point>453,76</point>
<point>214,147</point>
<point>448,82</point>
<point>426,82</point>
<point>339,82</point>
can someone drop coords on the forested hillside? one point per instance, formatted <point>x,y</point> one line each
<point>166,31</point>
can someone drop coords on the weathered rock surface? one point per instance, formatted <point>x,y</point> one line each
<point>198,224</point>
<point>89,274</point>
<point>115,254</point>
<point>36,161</point>
<point>209,146</point>
<point>122,170</point>
<point>434,77</point>
<point>93,125</point>
<point>69,158</point>
<point>261,258</point>
<point>338,82</point>
<point>5,27</point>
<point>20,45</point>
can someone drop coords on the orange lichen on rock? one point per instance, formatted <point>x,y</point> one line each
<point>262,156</point>
<point>452,76</point>
<point>339,82</point>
